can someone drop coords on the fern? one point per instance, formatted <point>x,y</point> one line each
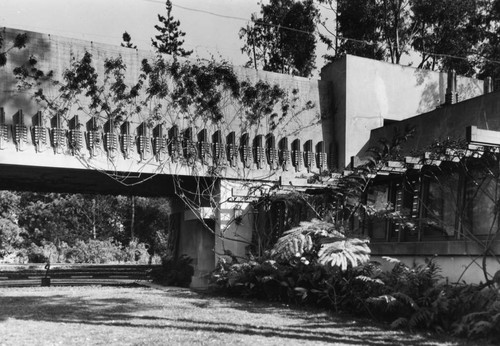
<point>405,299</point>
<point>344,252</point>
<point>391,259</point>
<point>399,323</point>
<point>479,329</point>
<point>293,244</point>
<point>422,317</point>
<point>334,248</point>
<point>365,278</point>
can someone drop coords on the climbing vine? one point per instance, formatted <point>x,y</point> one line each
<point>199,92</point>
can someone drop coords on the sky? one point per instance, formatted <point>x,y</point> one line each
<point>209,31</point>
<point>211,26</point>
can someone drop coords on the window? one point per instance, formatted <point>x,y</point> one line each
<point>482,193</point>
<point>378,199</point>
<point>440,205</point>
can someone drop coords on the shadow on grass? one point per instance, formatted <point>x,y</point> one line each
<point>132,313</point>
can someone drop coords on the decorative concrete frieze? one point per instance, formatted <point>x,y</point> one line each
<point>174,143</point>
<point>143,141</point>
<point>246,151</point>
<point>271,152</point>
<point>126,140</point>
<point>75,136</point>
<point>4,130</point>
<point>232,149</point>
<point>160,143</point>
<point>284,154</point>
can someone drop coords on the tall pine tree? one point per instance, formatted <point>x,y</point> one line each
<point>169,40</point>
<point>127,41</point>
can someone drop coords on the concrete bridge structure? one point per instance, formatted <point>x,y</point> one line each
<point>211,171</point>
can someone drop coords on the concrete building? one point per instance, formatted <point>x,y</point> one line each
<point>331,120</point>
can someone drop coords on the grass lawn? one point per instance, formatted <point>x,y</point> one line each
<point>94,315</point>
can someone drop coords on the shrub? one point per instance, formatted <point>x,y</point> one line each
<point>41,254</point>
<point>175,271</point>
<point>413,298</point>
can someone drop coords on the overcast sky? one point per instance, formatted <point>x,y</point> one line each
<point>106,20</point>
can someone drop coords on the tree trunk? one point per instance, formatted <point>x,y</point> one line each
<point>132,217</point>
<point>94,232</point>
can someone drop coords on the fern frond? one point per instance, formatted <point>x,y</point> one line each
<point>419,318</point>
<point>292,244</point>
<point>495,319</point>
<point>390,259</point>
<point>317,228</point>
<point>399,323</point>
<point>369,279</point>
<point>405,299</point>
<point>480,328</point>
<point>475,316</point>
<point>383,300</point>
<point>341,253</point>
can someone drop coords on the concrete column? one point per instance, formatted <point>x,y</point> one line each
<point>233,231</point>
<point>197,242</point>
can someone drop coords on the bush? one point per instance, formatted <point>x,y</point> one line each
<point>412,298</point>
<point>91,251</point>
<point>175,271</point>
<point>41,254</point>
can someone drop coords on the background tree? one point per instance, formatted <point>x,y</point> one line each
<point>446,34</point>
<point>11,234</point>
<point>490,49</point>
<point>169,40</point>
<point>127,41</point>
<point>376,29</point>
<point>449,28</point>
<point>56,217</point>
<point>281,39</point>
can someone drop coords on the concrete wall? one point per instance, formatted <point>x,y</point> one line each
<point>367,92</point>
<point>57,53</point>
<point>233,233</point>
<point>196,241</point>
<point>64,168</point>
<point>453,268</point>
<point>448,121</point>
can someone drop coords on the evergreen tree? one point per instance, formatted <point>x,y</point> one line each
<point>169,40</point>
<point>127,41</point>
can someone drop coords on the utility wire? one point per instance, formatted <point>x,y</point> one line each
<point>312,33</point>
<point>315,34</point>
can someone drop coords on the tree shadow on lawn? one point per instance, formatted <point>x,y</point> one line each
<point>126,312</point>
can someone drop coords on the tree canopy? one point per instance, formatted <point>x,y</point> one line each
<point>443,34</point>
<point>280,39</point>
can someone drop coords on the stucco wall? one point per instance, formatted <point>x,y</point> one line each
<point>57,53</point>
<point>453,268</point>
<point>375,91</point>
<point>449,121</point>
